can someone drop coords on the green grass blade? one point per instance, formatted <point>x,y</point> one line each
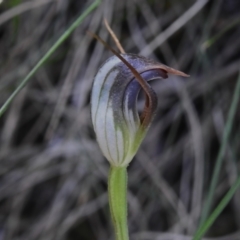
<point>208,43</point>
<point>227,131</point>
<point>202,230</point>
<point>64,36</point>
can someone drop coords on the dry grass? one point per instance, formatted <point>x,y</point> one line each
<point>53,176</point>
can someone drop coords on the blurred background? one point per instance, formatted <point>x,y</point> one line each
<point>53,177</point>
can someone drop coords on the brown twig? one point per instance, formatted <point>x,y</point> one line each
<point>114,37</point>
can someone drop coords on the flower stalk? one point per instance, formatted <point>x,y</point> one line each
<point>117,192</point>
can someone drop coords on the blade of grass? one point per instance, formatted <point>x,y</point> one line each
<point>220,157</point>
<point>207,224</point>
<point>208,43</point>
<point>64,36</point>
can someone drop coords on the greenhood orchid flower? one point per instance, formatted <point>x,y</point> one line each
<point>119,128</point>
<point>117,124</point>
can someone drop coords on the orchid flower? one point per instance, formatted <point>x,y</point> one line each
<point>118,126</point>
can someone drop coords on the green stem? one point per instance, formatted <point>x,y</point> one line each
<point>117,190</point>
